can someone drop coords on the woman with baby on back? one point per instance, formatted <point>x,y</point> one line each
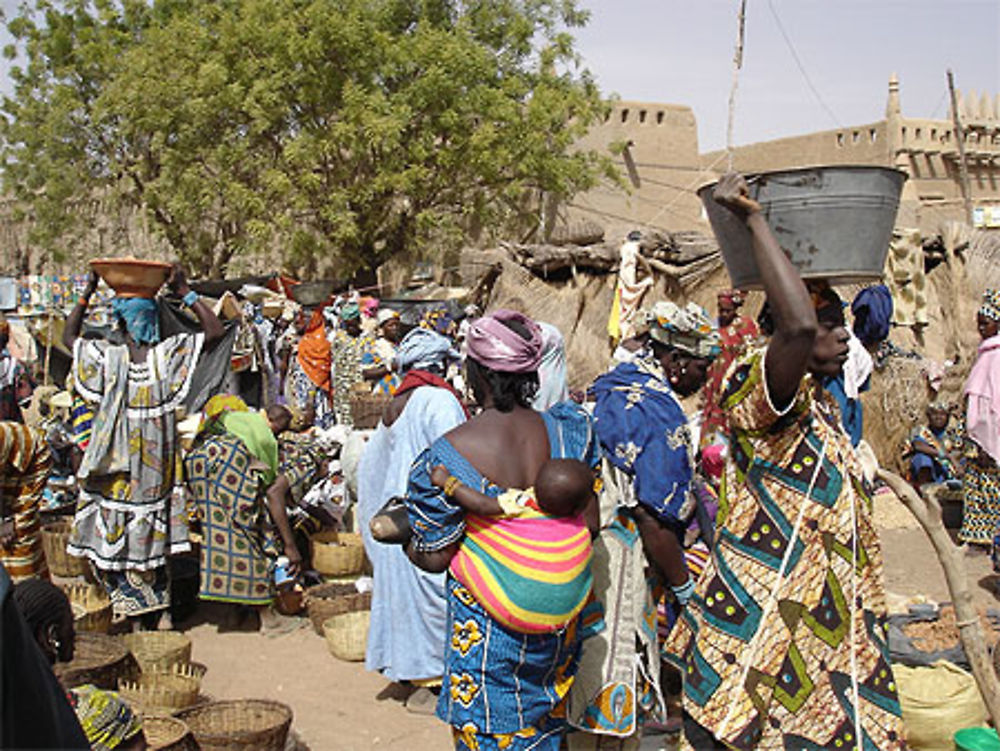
<point>504,686</point>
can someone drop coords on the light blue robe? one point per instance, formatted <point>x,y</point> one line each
<point>406,639</point>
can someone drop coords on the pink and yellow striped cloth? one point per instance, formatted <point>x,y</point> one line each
<point>530,572</point>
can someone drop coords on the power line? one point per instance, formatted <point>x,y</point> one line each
<point>801,67</point>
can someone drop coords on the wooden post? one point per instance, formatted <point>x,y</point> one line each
<point>927,511</point>
<point>960,140</point>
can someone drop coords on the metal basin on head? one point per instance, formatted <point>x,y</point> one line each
<point>834,223</point>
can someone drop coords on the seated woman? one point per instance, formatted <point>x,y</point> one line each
<point>933,448</point>
<point>230,471</point>
<point>543,527</point>
<point>502,688</point>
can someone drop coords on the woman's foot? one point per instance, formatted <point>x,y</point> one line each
<point>272,623</point>
<point>422,701</point>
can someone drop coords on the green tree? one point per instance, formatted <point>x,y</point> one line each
<point>345,131</point>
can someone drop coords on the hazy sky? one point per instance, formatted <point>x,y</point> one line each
<point>681,51</point>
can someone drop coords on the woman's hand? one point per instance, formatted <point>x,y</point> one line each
<point>439,476</point>
<point>294,560</point>
<point>178,281</point>
<point>92,281</point>
<point>733,192</point>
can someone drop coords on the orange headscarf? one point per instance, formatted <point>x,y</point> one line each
<point>314,352</point>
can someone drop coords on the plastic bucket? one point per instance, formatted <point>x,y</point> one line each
<point>977,739</point>
<point>833,222</point>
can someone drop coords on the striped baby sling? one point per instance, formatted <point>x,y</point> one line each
<point>530,572</point>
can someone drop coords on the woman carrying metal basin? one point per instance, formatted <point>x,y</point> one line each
<point>782,644</point>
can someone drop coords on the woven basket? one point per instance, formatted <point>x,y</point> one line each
<point>347,635</point>
<point>132,277</point>
<point>338,553</point>
<point>167,734</point>
<point>55,535</point>
<point>242,725</point>
<point>164,691</point>
<point>98,659</point>
<point>366,409</point>
<point>91,607</point>
<point>328,600</point>
<point>158,649</point>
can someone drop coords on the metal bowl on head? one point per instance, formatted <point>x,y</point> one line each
<point>132,277</point>
<point>834,223</point>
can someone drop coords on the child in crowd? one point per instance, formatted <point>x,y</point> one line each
<point>934,449</point>
<point>526,554</point>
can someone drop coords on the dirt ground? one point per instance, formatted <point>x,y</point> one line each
<point>341,707</point>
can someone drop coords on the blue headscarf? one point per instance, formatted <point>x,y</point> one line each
<point>872,310</point>
<point>422,348</point>
<point>141,317</point>
<point>644,432</point>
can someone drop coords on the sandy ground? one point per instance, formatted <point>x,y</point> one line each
<point>341,707</point>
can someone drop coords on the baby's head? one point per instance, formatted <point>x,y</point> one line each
<point>279,417</point>
<point>563,487</point>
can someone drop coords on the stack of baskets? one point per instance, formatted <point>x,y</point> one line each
<point>338,554</point>
<point>98,659</point>
<point>55,535</point>
<point>242,725</point>
<point>168,681</point>
<point>91,607</point>
<point>366,407</point>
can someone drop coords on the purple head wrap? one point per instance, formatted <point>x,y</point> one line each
<point>494,345</point>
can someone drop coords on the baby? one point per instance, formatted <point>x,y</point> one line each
<point>525,556</point>
<point>562,488</point>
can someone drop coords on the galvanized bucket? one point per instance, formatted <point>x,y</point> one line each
<point>833,222</point>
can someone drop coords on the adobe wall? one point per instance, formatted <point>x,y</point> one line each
<point>660,168</point>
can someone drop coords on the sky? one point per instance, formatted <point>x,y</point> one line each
<point>832,71</point>
<point>681,52</point>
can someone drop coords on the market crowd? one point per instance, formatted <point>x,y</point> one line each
<point>685,544</point>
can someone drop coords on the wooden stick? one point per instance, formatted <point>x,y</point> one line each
<point>927,511</point>
<point>963,170</point>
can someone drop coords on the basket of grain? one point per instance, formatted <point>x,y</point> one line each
<point>158,649</point>
<point>164,690</point>
<point>98,659</point>
<point>337,553</point>
<point>91,607</point>
<point>347,635</point>
<point>241,725</point>
<point>366,408</point>
<point>55,536</point>
<point>167,734</point>
<point>327,600</point>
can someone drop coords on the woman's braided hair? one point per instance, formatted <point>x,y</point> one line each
<point>42,604</point>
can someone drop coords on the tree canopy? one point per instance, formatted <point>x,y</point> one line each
<point>345,130</point>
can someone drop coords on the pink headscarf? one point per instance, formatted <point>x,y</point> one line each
<point>491,343</point>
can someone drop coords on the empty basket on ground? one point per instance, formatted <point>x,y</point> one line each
<point>91,607</point>
<point>331,599</point>
<point>241,725</point>
<point>158,649</point>
<point>167,734</point>
<point>833,222</point>
<point>366,409</point>
<point>338,553</point>
<point>347,635</point>
<point>99,659</point>
<point>164,690</point>
<point>55,535</point>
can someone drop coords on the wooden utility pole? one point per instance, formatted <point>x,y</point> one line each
<point>960,139</point>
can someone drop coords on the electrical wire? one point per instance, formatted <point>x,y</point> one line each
<point>801,67</point>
